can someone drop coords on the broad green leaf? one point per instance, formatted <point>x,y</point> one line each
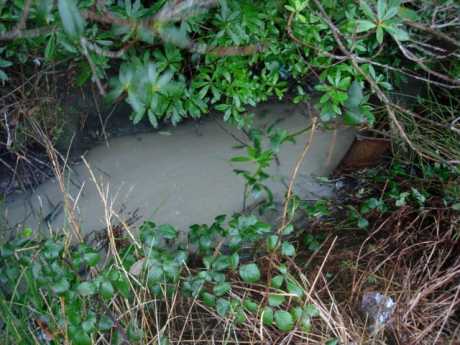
<point>456,206</point>
<point>397,33</point>
<point>61,286</point>
<point>91,258</point>
<point>107,289</point>
<point>392,11</point>
<point>310,310</point>
<point>275,300</point>
<point>367,9</point>
<point>221,289</point>
<point>287,249</point>
<point>381,8</point>
<point>288,230</point>
<point>222,307</point>
<point>250,305</point>
<point>208,299</point>
<point>277,281</point>
<point>105,323</point>
<point>250,273</point>
<point>86,288</point>
<point>294,288</point>
<point>267,316</point>
<point>284,320</point>
<point>353,117</point>
<point>364,25</point>
<point>80,338</point>
<point>71,19</point>
<point>355,95</point>
<point>167,231</point>
<point>272,242</point>
<point>407,13</point>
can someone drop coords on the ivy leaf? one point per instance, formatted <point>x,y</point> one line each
<point>71,18</point>
<point>272,242</point>
<point>222,307</point>
<point>81,338</point>
<point>167,231</point>
<point>60,286</point>
<point>275,300</point>
<point>105,323</point>
<point>364,25</point>
<point>221,288</point>
<point>208,299</point>
<point>294,288</point>
<point>287,249</point>
<point>277,281</point>
<point>249,273</point>
<point>267,316</point>
<point>86,289</point>
<point>106,289</point>
<point>250,305</point>
<point>284,321</point>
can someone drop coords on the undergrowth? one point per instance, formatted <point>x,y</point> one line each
<point>244,281</point>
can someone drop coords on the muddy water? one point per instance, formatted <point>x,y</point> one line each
<point>179,176</point>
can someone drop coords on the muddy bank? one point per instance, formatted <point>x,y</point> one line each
<point>178,175</point>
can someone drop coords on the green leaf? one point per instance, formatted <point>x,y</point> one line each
<point>367,9</point>
<point>288,230</point>
<point>267,316</point>
<point>50,48</point>
<point>272,242</point>
<point>364,25</point>
<point>275,300</point>
<point>287,249</point>
<point>89,323</point>
<point>332,342</point>
<point>379,34</point>
<point>221,288</point>
<point>277,281</point>
<point>71,19</point>
<point>355,95</point>
<point>456,206</point>
<point>234,261</point>
<point>363,223</point>
<point>381,8</point>
<point>81,338</point>
<point>91,258</point>
<point>294,288</point>
<point>392,11</point>
<point>152,118</point>
<point>107,289</point>
<point>61,286</point>
<point>222,307</point>
<point>249,273</point>
<point>296,313</point>
<point>105,323</point>
<point>353,117</point>
<point>250,305</point>
<point>310,310</point>
<point>167,231</point>
<point>86,288</point>
<point>208,299</point>
<point>284,320</point>
<point>397,33</point>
